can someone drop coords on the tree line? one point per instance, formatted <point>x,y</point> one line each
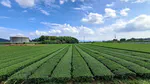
<point>56,40</point>
<point>130,40</point>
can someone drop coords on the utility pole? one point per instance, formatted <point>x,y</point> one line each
<point>83,36</point>
<point>84,39</point>
<point>115,36</point>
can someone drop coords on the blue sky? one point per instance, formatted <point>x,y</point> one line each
<point>95,19</point>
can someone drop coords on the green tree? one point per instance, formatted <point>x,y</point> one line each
<point>56,40</point>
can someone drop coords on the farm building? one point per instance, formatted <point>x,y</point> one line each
<point>19,39</point>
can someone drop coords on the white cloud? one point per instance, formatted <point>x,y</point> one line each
<point>53,25</point>
<point>124,12</point>
<point>62,1</point>
<point>136,27</point>
<point>6,3</point>
<point>139,23</point>
<point>7,32</point>
<point>55,31</point>
<point>73,0</point>
<point>24,11</point>
<point>64,30</point>
<point>18,35</point>
<point>82,0</point>
<point>135,1</point>
<point>93,18</point>
<point>140,1</point>
<point>39,33</point>
<point>110,13</point>
<point>26,3</point>
<point>83,7</point>
<point>110,5</point>
<point>124,0</point>
<point>4,17</point>
<point>120,24</point>
<point>48,2</point>
<point>86,31</point>
<point>44,12</point>
<point>32,19</point>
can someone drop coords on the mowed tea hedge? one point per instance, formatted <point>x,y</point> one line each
<point>68,63</point>
<point>141,47</point>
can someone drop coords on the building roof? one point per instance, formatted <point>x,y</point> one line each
<point>19,36</point>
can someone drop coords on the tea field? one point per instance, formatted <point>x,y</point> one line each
<point>73,64</point>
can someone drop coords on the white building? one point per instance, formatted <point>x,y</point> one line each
<point>19,39</point>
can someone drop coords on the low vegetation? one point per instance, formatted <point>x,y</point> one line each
<point>73,63</point>
<point>126,46</point>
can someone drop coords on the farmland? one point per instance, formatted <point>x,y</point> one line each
<point>75,63</point>
<point>129,46</point>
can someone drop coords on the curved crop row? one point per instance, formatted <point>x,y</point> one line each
<point>139,70</point>
<point>117,69</point>
<point>22,53</point>
<point>140,61</point>
<point>99,70</point>
<point>8,71</point>
<point>26,72</point>
<point>13,50</point>
<point>141,57</point>
<point>21,59</point>
<point>133,53</point>
<point>16,56</point>
<point>44,72</point>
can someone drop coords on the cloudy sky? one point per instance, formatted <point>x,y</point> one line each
<point>96,20</point>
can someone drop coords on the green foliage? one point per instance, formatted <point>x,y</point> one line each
<point>122,40</point>
<point>127,46</point>
<point>81,71</point>
<point>99,70</point>
<point>48,67</point>
<point>56,40</point>
<point>138,60</point>
<point>71,63</point>
<point>134,40</point>
<point>131,64</point>
<point>10,69</point>
<point>137,55</point>
<point>117,69</point>
<point>62,71</point>
<point>27,71</point>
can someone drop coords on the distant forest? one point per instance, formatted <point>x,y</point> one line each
<point>130,40</point>
<point>56,40</point>
<point>4,40</point>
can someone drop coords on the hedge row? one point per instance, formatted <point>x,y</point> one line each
<point>10,70</point>
<point>139,70</point>
<point>119,70</point>
<point>99,70</point>
<point>81,71</point>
